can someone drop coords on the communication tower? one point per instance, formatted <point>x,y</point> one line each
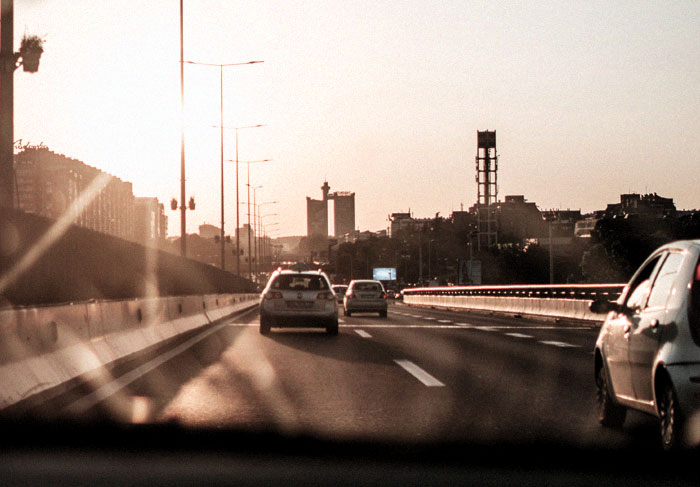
<point>486,179</point>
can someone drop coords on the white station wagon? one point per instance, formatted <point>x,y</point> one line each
<point>647,356</point>
<point>298,299</point>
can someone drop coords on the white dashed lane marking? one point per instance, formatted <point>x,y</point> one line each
<point>444,321</point>
<point>419,373</point>
<point>363,333</point>
<point>559,344</point>
<point>518,335</point>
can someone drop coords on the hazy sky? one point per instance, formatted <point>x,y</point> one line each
<point>589,99</point>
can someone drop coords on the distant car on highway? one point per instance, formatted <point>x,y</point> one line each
<point>365,296</point>
<point>647,356</point>
<point>298,298</point>
<point>339,290</point>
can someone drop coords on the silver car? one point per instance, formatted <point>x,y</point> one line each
<point>303,299</point>
<point>647,356</point>
<point>339,290</point>
<point>365,295</point>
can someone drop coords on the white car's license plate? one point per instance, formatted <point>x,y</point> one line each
<point>300,304</point>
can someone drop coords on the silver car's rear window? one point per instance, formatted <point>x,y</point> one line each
<point>367,286</point>
<point>299,283</point>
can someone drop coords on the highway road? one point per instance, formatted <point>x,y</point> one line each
<point>420,374</point>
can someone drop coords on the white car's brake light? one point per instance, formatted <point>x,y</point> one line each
<point>273,295</point>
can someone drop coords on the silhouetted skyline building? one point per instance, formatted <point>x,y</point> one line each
<point>150,222</point>
<point>48,184</point>
<point>343,213</point>
<point>649,205</point>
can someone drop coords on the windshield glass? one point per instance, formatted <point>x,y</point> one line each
<point>497,166</point>
<point>299,283</point>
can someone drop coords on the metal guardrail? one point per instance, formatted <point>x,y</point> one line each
<point>557,291</point>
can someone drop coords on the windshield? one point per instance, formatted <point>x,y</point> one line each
<point>499,165</point>
<point>299,283</point>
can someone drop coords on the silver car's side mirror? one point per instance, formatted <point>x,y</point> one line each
<point>603,306</point>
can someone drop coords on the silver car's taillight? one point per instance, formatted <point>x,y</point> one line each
<point>273,295</point>
<point>326,295</point>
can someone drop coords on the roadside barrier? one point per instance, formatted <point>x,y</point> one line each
<point>550,301</point>
<point>42,348</point>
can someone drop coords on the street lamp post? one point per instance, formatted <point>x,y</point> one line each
<point>183,221</point>
<point>255,229</point>
<point>261,241</point>
<point>238,220</point>
<point>250,267</point>
<point>31,47</point>
<point>221,128</point>
<point>264,244</point>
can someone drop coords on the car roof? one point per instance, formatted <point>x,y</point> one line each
<point>679,245</point>
<point>286,272</point>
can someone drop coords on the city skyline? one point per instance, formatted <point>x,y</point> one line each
<point>381,100</point>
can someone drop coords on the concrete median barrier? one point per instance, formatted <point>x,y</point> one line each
<point>557,308</point>
<point>44,348</point>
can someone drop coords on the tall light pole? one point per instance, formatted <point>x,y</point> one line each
<point>238,204</point>
<point>221,128</point>
<point>263,238</point>
<point>183,207</point>
<point>29,52</point>
<point>255,230</point>
<point>250,266</point>
<point>259,233</point>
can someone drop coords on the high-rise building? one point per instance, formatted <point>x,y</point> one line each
<point>343,213</point>
<point>316,217</point>
<point>150,222</point>
<point>47,184</point>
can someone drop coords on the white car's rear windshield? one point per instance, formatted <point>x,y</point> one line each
<point>299,283</point>
<point>367,286</point>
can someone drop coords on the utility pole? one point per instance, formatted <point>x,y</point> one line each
<point>551,256</point>
<point>7,69</point>
<point>183,205</point>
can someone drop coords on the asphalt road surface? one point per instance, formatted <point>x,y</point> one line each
<point>420,374</point>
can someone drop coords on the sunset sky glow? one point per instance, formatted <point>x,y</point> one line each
<point>589,100</point>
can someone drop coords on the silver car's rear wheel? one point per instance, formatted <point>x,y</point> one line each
<point>609,413</point>
<point>670,419</point>
<point>332,327</point>
<point>265,325</point>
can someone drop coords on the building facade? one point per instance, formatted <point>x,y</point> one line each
<point>49,184</point>
<point>150,222</point>
<point>343,214</point>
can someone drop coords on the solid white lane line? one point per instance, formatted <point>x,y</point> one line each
<point>558,344</point>
<point>419,373</point>
<point>444,321</point>
<point>363,333</point>
<point>102,393</point>
<point>518,335</point>
<point>465,324</point>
